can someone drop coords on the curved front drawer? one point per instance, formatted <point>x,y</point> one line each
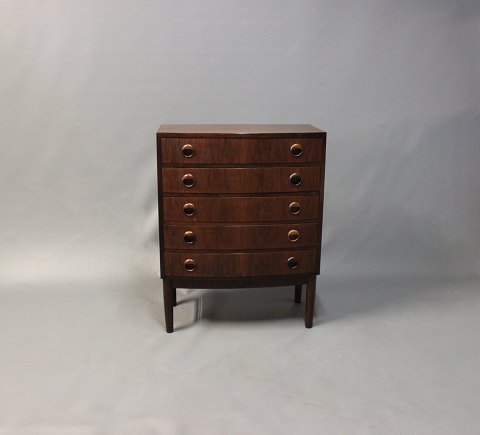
<point>239,237</point>
<point>193,151</point>
<point>242,180</point>
<point>240,264</point>
<point>240,208</point>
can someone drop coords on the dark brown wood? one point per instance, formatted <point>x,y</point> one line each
<point>310,301</point>
<point>239,282</point>
<point>235,130</point>
<point>235,151</point>
<point>228,209</point>
<point>168,301</point>
<point>240,264</point>
<point>228,199</point>
<point>298,293</point>
<point>161,208</point>
<point>195,237</point>
<point>241,180</point>
<point>321,199</point>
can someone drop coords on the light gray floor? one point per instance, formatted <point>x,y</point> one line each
<point>386,356</point>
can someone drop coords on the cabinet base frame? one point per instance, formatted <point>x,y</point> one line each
<point>170,286</point>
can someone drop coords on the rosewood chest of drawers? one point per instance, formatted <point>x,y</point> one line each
<point>240,206</point>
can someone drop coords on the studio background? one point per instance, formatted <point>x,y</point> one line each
<point>83,88</point>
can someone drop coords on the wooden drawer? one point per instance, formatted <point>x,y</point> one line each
<point>242,180</point>
<point>240,237</point>
<point>193,151</point>
<point>241,208</point>
<point>240,264</point>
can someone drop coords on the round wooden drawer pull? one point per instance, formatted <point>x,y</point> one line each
<point>296,150</point>
<point>189,209</point>
<point>295,179</point>
<point>294,207</point>
<point>190,265</point>
<point>188,180</point>
<point>189,237</point>
<point>188,150</point>
<point>292,263</point>
<point>293,235</point>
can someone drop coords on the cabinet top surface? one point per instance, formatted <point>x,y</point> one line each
<point>238,129</point>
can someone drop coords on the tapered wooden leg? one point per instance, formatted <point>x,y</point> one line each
<point>174,296</point>
<point>168,299</point>
<point>298,294</point>
<point>310,301</point>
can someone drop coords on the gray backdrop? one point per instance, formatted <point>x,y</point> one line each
<point>84,86</point>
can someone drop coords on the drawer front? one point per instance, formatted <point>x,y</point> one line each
<point>192,151</point>
<point>240,208</point>
<point>240,264</point>
<point>239,237</point>
<point>242,180</point>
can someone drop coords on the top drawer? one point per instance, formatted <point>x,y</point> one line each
<point>192,151</point>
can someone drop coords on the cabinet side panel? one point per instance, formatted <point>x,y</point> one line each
<point>321,202</point>
<point>160,206</point>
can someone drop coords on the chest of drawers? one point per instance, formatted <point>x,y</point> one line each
<point>240,206</point>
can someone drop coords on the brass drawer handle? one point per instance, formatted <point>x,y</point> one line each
<point>188,180</point>
<point>293,235</point>
<point>188,150</point>
<point>189,209</point>
<point>189,237</point>
<point>296,150</point>
<point>294,207</point>
<point>295,179</point>
<point>292,263</point>
<point>190,265</point>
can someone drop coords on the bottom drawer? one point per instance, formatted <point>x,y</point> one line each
<point>179,264</point>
